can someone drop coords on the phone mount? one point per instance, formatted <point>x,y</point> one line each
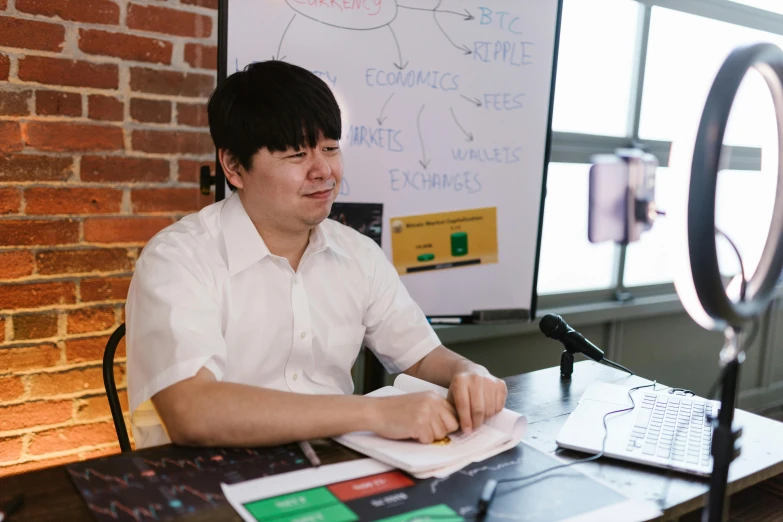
<point>622,196</point>
<point>701,288</point>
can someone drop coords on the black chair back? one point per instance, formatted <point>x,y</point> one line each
<point>111,388</point>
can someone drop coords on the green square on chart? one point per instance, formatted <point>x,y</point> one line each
<point>292,503</point>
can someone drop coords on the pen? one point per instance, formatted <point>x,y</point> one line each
<point>11,507</point>
<point>308,451</point>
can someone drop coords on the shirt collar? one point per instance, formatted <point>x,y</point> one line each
<point>244,245</point>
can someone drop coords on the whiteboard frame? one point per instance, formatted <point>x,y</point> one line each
<point>221,184</point>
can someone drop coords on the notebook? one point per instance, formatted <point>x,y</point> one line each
<point>499,433</point>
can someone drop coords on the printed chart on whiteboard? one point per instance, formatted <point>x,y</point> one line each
<point>445,115</point>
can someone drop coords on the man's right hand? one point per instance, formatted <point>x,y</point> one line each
<point>425,417</point>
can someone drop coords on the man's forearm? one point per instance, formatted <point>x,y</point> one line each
<point>216,413</point>
<point>441,365</point>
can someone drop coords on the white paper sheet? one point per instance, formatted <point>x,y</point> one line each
<point>266,487</point>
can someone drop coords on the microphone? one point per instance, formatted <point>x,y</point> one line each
<point>554,327</point>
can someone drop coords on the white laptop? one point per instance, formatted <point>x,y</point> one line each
<point>665,430</point>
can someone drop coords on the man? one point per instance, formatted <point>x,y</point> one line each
<point>244,320</point>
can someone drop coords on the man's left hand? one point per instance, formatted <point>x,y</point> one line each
<point>477,396</point>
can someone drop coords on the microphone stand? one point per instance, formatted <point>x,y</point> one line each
<point>724,437</point>
<point>566,365</point>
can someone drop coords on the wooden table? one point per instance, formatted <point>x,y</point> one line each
<point>546,401</point>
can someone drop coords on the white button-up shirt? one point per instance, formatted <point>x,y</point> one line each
<point>207,293</point>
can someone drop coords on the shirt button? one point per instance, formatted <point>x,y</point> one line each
<point>303,335</point>
<point>296,376</point>
<point>296,280</point>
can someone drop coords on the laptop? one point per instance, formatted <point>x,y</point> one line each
<point>665,430</point>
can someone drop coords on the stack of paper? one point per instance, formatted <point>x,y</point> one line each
<point>499,433</point>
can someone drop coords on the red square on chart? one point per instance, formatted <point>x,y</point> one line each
<point>368,486</point>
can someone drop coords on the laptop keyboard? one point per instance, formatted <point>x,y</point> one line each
<point>673,427</point>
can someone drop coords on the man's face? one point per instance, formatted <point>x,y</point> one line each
<point>295,189</point>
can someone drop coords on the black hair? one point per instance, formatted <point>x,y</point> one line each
<point>274,105</point>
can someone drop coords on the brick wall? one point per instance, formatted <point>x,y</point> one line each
<point>102,132</point>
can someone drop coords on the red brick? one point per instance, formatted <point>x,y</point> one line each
<point>10,388</point>
<point>172,142</point>
<point>97,407</point>
<point>45,200</point>
<point>89,11</point>
<point>5,66</point>
<point>172,83</point>
<point>123,169</point>
<point>72,437</point>
<point>30,34</point>
<point>104,289</point>
<point>106,108</point>
<point>53,262</point>
<point>167,200</point>
<point>43,385</point>
<point>14,264</point>
<point>89,320</point>
<point>29,357</point>
<point>10,449</point>
<point>56,103</point>
<point>91,349</point>
<point>125,46</point>
<point>212,4</point>
<point>193,114</point>
<point>35,326</point>
<point>26,232</point>
<point>34,295</point>
<point>20,167</point>
<point>201,56</point>
<point>123,230</point>
<point>10,137</point>
<point>2,327</point>
<point>150,111</point>
<point>3,4</point>
<point>61,71</point>
<point>10,200</point>
<point>189,170</point>
<point>59,136</point>
<point>32,414</point>
<point>15,103</point>
<point>168,21</point>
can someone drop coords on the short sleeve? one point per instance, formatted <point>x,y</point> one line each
<point>173,319</point>
<point>397,330</point>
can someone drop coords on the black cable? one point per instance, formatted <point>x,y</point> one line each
<point>617,365</point>
<point>491,487</point>
<point>744,283</point>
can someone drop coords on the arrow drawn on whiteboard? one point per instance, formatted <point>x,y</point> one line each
<point>380,118</point>
<point>280,45</point>
<point>424,162</point>
<point>463,47</point>
<point>474,101</point>
<point>466,15</point>
<point>400,65</point>
<point>468,135</point>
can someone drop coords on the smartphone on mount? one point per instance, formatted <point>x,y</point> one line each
<point>621,196</point>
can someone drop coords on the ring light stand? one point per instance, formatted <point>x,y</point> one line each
<point>718,311</point>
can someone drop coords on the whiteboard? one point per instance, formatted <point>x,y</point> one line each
<point>446,107</point>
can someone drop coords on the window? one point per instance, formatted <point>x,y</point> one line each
<point>680,72</point>
<point>569,262</point>
<point>595,66</point>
